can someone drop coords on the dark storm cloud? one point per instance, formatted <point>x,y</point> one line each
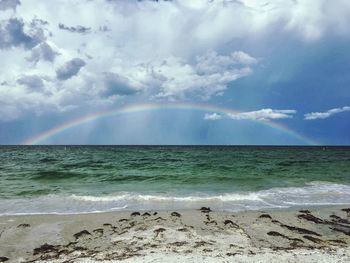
<point>75,29</point>
<point>43,52</point>
<point>117,85</point>
<point>13,35</point>
<point>9,4</point>
<point>70,69</point>
<point>34,82</point>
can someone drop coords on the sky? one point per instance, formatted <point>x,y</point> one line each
<point>175,72</point>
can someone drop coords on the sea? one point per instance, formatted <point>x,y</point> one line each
<point>90,179</point>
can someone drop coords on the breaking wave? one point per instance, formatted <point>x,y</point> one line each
<point>312,194</point>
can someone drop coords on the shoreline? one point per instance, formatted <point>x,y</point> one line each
<point>180,235</point>
<point>127,210</point>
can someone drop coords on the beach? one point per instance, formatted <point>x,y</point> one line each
<point>174,204</point>
<point>318,234</point>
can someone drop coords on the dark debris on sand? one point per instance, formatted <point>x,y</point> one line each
<point>231,223</point>
<point>46,248</point>
<point>337,224</point>
<point>205,209</point>
<point>82,234</point>
<point>176,214</point>
<point>338,219</point>
<point>313,239</point>
<point>265,216</point>
<point>97,244</point>
<point>312,218</point>
<point>277,234</point>
<point>159,230</point>
<point>346,210</point>
<point>23,225</point>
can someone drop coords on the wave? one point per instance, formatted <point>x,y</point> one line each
<point>312,194</point>
<point>160,198</point>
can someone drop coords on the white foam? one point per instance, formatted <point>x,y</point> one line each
<point>313,194</point>
<point>162,198</point>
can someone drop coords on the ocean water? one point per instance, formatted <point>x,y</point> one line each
<point>84,179</point>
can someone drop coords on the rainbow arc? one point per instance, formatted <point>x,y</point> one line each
<point>146,107</point>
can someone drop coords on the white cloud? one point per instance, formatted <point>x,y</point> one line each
<point>207,76</point>
<point>212,116</point>
<point>187,55</point>
<point>325,115</point>
<point>263,114</point>
<point>211,62</point>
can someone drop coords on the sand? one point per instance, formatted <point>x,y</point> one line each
<point>303,235</point>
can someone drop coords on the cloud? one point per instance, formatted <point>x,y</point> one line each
<point>37,22</point>
<point>33,82</point>
<point>43,51</point>
<point>118,85</point>
<point>9,4</point>
<point>198,51</point>
<point>75,29</point>
<point>263,114</point>
<point>13,34</point>
<point>17,101</point>
<point>211,62</point>
<point>212,116</point>
<point>207,76</point>
<point>325,115</point>
<point>70,69</point>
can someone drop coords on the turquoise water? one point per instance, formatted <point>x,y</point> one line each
<point>77,179</point>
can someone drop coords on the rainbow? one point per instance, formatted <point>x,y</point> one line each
<point>145,107</point>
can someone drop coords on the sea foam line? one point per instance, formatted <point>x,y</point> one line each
<point>312,194</point>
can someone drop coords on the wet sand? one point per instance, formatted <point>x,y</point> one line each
<point>303,235</point>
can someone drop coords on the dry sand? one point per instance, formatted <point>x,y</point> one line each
<point>314,235</point>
